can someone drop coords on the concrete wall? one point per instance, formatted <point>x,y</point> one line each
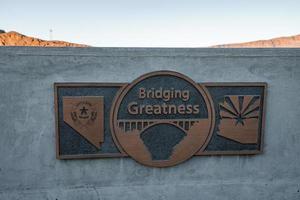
<point>29,170</point>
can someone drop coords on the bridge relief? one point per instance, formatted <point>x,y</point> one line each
<point>141,125</point>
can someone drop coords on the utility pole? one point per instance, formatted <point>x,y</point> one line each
<point>50,34</point>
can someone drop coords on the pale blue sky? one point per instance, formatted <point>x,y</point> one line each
<point>152,23</point>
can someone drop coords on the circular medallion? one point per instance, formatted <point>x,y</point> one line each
<point>162,119</point>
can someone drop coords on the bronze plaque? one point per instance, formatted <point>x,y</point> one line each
<point>160,119</point>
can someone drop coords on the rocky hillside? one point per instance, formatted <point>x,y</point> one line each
<point>281,42</point>
<point>16,39</point>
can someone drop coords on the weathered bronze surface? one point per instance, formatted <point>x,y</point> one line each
<point>160,119</point>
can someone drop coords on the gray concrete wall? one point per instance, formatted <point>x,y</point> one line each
<point>29,170</point>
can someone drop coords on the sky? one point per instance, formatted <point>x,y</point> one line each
<point>152,23</point>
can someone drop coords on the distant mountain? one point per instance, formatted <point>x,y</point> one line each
<point>13,38</point>
<point>281,42</point>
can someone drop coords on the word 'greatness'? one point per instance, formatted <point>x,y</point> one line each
<point>158,109</point>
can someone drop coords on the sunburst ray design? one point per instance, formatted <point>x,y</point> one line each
<point>240,118</point>
<point>240,108</point>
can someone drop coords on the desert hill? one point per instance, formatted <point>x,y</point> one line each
<point>13,38</point>
<point>281,42</point>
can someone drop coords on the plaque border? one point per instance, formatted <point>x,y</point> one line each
<point>119,155</point>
